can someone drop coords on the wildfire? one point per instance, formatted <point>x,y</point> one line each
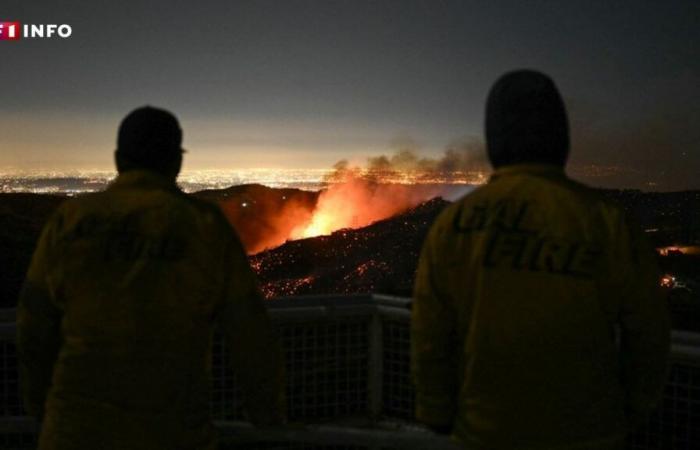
<point>321,223</point>
<point>388,185</point>
<point>357,201</point>
<point>679,250</point>
<point>668,281</point>
<point>354,197</point>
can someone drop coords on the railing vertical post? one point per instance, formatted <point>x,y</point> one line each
<point>375,381</point>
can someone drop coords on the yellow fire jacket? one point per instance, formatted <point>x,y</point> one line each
<point>116,318</point>
<point>521,289</point>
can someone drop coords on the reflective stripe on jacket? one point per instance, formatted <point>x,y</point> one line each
<point>520,288</point>
<point>116,318</point>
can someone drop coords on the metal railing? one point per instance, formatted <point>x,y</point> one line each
<point>348,372</point>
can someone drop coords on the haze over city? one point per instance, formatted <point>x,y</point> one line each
<point>304,84</point>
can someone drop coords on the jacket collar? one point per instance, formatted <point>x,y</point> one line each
<point>143,179</point>
<point>544,170</point>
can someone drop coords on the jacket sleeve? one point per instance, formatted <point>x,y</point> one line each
<point>38,325</point>
<point>644,324</point>
<point>254,348</point>
<point>433,344</point>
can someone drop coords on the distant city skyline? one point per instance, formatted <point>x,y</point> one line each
<point>303,84</point>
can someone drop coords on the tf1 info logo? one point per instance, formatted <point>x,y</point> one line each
<point>13,31</point>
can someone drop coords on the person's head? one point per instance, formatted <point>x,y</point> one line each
<point>150,138</point>
<point>526,121</point>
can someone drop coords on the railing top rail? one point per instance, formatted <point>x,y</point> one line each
<point>689,338</point>
<point>315,306</point>
<point>338,300</point>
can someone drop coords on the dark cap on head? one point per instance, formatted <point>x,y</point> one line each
<point>149,138</point>
<point>526,121</point>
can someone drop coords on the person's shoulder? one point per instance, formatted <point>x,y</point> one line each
<point>602,207</point>
<point>444,222</point>
<point>581,189</point>
<point>72,210</point>
<point>589,196</point>
<point>207,211</point>
<point>80,204</point>
<point>199,205</point>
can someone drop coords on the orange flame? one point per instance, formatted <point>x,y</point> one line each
<point>692,250</point>
<point>357,202</point>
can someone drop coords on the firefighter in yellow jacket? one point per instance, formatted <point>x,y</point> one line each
<point>116,316</point>
<point>523,286</point>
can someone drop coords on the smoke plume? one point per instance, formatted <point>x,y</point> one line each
<point>387,185</point>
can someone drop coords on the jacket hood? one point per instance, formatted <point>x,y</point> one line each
<point>526,121</point>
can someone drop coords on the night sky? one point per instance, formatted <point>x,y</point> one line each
<point>302,84</point>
